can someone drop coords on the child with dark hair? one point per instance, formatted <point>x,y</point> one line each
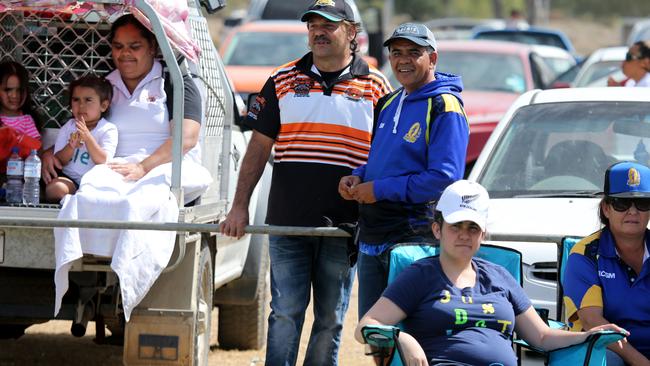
<point>86,139</point>
<point>15,102</point>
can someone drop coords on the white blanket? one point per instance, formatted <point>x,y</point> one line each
<point>139,256</point>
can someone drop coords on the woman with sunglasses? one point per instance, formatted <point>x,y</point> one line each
<point>637,64</point>
<point>607,277</point>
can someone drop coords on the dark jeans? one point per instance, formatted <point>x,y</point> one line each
<point>301,266</point>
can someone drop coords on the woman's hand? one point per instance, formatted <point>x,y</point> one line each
<point>130,171</point>
<point>49,164</point>
<point>346,184</point>
<point>412,351</point>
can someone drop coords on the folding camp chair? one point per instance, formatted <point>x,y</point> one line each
<point>380,338</point>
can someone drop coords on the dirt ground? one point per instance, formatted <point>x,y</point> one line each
<point>52,344</point>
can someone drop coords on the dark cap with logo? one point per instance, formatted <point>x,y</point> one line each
<point>332,10</point>
<point>414,32</point>
<point>627,179</point>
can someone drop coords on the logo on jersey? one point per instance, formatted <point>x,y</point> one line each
<point>633,177</point>
<point>608,275</point>
<point>301,88</point>
<point>414,132</point>
<point>353,94</point>
<point>256,107</point>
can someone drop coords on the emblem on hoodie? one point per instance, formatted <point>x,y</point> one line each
<point>414,133</point>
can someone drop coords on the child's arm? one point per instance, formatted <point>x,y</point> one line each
<point>66,143</point>
<point>96,152</point>
<point>65,155</point>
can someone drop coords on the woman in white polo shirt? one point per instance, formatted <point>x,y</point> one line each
<point>139,107</point>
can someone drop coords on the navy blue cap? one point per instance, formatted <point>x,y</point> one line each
<point>627,179</point>
<point>332,10</point>
<point>414,32</point>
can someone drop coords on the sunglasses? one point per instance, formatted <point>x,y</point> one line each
<point>624,204</point>
<point>631,57</point>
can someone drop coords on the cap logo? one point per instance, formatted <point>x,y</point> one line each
<point>407,29</point>
<point>325,3</point>
<point>469,198</point>
<point>633,177</point>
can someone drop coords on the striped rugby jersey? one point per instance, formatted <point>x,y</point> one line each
<point>321,133</point>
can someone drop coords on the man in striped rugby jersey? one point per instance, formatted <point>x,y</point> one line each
<point>418,149</point>
<point>317,113</point>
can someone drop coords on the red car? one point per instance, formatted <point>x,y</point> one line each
<point>494,74</point>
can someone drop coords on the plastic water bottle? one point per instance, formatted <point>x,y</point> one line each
<point>14,187</point>
<point>32,187</point>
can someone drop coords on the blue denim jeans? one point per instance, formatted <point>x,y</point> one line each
<point>300,265</point>
<point>372,271</point>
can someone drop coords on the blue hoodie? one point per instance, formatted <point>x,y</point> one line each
<point>412,163</point>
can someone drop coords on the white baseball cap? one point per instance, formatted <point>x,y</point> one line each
<point>464,201</point>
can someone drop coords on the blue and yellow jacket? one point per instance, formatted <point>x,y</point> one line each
<point>413,160</point>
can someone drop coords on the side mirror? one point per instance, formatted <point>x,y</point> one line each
<point>232,22</point>
<point>213,6</point>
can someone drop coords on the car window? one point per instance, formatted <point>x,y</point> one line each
<point>527,38</point>
<point>597,71</point>
<point>558,64</point>
<point>265,49</point>
<point>565,147</point>
<point>495,72</point>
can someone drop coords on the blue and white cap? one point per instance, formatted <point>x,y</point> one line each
<point>627,180</point>
<point>464,201</point>
<point>414,32</point>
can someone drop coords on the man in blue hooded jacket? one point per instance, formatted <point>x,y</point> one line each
<point>418,149</point>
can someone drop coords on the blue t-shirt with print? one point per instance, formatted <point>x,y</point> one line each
<point>473,325</point>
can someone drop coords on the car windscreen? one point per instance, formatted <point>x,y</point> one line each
<point>495,71</point>
<point>524,37</point>
<point>265,49</point>
<point>563,149</point>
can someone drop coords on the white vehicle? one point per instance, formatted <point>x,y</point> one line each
<point>601,64</point>
<point>172,324</point>
<point>544,168</point>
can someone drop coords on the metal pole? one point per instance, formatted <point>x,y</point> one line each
<point>169,226</point>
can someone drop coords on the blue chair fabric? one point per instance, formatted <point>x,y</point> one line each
<point>589,353</point>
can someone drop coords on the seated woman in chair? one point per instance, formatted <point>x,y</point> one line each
<point>458,308</point>
<point>607,277</point>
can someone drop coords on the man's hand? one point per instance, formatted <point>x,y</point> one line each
<point>235,222</point>
<point>49,164</point>
<point>346,184</point>
<point>364,193</point>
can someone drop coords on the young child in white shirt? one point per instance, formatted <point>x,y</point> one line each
<point>86,139</point>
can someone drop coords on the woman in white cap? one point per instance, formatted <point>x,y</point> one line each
<point>458,308</point>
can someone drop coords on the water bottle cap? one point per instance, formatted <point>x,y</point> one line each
<point>14,150</point>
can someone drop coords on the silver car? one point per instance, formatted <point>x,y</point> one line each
<point>544,166</point>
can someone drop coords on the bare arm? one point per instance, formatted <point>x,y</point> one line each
<point>162,155</point>
<point>49,164</point>
<point>257,154</point>
<point>385,312</point>
<point>533,329</point>
<point>592,317</point>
